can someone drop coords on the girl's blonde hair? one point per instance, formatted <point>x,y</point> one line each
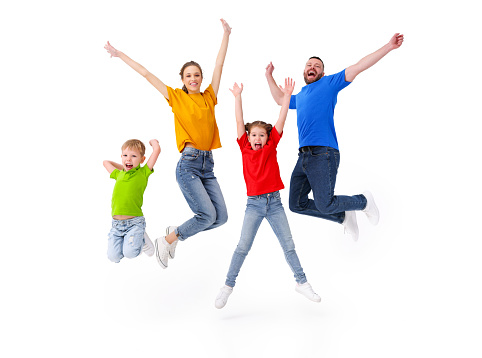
<point>135,144</point>
<point>266,126</point>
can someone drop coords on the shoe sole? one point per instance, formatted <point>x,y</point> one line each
<point>372,219</point>
<point>173,254</point>
<point>156,244</point>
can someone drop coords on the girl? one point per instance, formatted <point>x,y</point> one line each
<point>263,182</point>
<point>196,135</point>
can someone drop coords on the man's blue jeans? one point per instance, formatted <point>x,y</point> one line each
<point>195,176</point>
<point>316,171</point>
<point>259,207</point>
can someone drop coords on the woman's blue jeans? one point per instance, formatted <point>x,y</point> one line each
<point>259,207</point>
<point>316,170</point>
<point>195,176</point>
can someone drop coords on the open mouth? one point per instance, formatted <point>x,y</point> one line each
<point>129,166</point>
<point>257,146</point>
<point>193,84</point>
<point>311,74</point>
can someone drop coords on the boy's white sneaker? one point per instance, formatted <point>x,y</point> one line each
<point>306,290</point>
<point>148,247</point>
<point>350,225</point>
<point>371,209</point>
<point>162,251</point>
<point>172,250</point>
<point>223,296</point>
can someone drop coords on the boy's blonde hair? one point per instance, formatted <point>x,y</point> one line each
<point>135,144</point>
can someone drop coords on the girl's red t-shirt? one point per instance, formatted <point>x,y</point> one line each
<point>260,167</point>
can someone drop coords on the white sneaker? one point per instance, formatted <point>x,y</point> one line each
<point>223,296</point>
<point>351,227</point>
<point>172,250</point>
<point>371,209</point>
<point>148,247</point>
<point>162,251</point>
<point>306,290</point>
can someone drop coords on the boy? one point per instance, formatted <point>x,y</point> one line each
<point>127,237</point>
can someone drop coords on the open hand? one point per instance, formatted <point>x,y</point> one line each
<point>396,41</point>
<point>236,91</point>
<point>111,50</point>
<point>289,86</point>
<point>226,27</point>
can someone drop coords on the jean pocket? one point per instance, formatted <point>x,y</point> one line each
<point>190,156</point>
<point>319,151</point>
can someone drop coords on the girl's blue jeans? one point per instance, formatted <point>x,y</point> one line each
<point>259,207</point>
<point>195,176</point>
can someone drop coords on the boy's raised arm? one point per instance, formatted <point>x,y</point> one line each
<point>110,166</point>
<point>285,104</point>
<point>156,150</point>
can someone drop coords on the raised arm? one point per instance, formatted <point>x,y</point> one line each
<point>368,61</point>
<point>285,104</point>
<point>273,87</point>
<point>156,150</point>
<point>218,68</point>
<point>110,166</point>
<point>153,80</point>
<point>238,109</point>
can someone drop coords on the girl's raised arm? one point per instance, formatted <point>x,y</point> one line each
<point>153,80</point>
<point>238,109</point>
<point>287,91</point>
<point>218,68</point>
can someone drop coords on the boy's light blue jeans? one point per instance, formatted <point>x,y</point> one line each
<point>126,238</point>
<point>259,207</point>
<point>195,176</point>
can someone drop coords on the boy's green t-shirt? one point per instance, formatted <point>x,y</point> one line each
<point>129,190</point>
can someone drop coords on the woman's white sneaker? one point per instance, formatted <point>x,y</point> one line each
<point>223,296</point>
<point>172,250</point>
<point>306,290</point>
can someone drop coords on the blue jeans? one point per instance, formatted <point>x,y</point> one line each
<point>259,207</point>
<point>126,238</point>
<point>316,170</point>
<point>195,176</point>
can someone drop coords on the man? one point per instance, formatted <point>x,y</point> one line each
<point>319,157</point>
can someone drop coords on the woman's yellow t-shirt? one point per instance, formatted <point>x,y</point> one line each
<point>194,120</point>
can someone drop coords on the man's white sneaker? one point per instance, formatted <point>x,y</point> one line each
<point>306,290</point>
<point>148,247</point>
<point>223,296</point>
<point>172,250</point>
<point>350,224</point>
<point>371,209</point>
<point>162,251</point>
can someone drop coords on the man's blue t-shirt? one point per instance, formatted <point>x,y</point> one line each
<point>315,106</point>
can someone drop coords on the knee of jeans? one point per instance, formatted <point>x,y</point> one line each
<point>221,219</point>
<point>294,205</point>
<point>114,256</point>
<point>242,249</point>
<point>131,252</point>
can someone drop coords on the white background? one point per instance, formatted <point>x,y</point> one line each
<point>407,129</point>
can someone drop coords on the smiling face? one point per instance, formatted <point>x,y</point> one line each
<point>192,79</point>
<point>257,137</point>
<point>131,158</point>
<point>313,70</point>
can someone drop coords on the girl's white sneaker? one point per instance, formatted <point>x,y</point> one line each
<point>223,296</point>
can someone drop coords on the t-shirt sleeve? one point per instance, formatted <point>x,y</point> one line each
<point>147,172</point>
<point>114,174</point>
<point>210,92</point>
<point>242,141</point>
<point>174,97</point>
<point>293,102</point>
<point>275,137</point>
<point>338,81</point>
